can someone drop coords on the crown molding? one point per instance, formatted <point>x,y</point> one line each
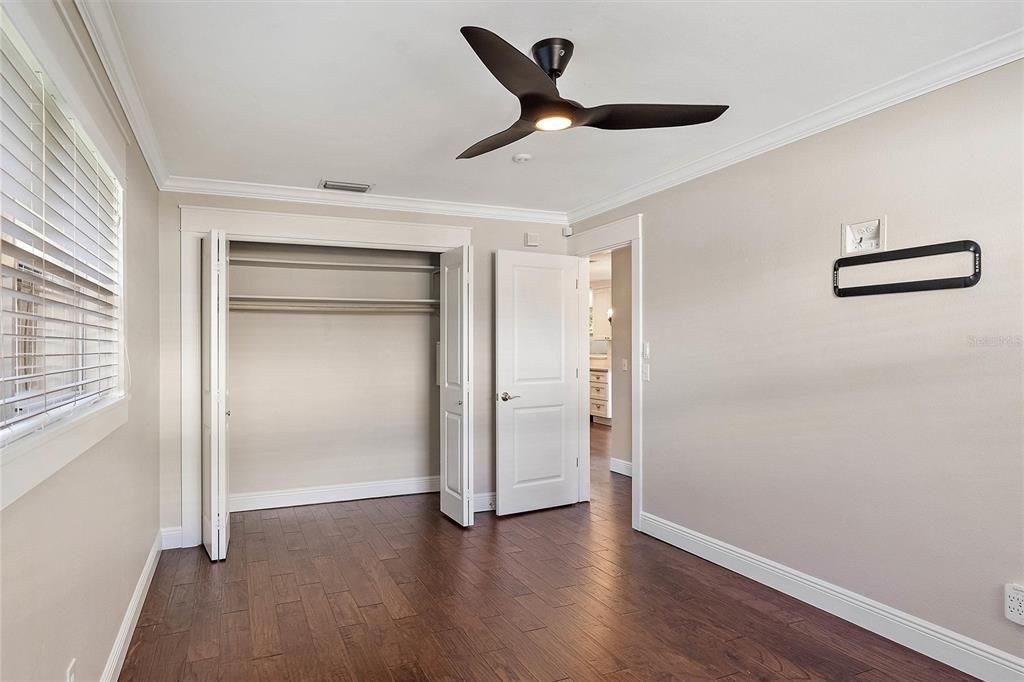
<point>306,195</point>
<point>971,62</point>
<point>113,107</point>
<point>99,20</point>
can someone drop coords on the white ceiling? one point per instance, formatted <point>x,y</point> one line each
<point>388,93</point>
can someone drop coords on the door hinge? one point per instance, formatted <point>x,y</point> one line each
<point>577,372</point>
<point>577,284</point>
<point>577,462</point>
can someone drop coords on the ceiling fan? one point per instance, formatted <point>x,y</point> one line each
<point>542,108</point>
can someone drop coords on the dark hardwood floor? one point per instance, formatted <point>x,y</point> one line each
<point>388,589</point>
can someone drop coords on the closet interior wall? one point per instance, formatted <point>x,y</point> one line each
<point>331,366</point>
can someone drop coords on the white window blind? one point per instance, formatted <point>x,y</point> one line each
<point>60,255</point>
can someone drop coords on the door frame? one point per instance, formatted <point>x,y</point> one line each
<point>275,227</point>
<point>617,234</point>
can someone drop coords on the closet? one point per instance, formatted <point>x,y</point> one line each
<point>332,374</point>
<point>333,381</point>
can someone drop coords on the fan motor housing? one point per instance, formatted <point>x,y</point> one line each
<point>553,55</point>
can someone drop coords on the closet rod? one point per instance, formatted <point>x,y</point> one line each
<point>326,304</point>
<point>329,265</point>
<point>337,308</point>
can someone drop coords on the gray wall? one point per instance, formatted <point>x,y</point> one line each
<point>622,349</point>
<point>872,442</point>
<point>487,237</point>
<point>73,547</point>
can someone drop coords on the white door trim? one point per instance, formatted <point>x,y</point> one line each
<point>269,226</point>
<point>624,232</point>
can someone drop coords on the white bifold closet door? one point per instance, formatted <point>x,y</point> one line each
<point>455,360</point>
<point>540,338</point>
<point>216,527</point>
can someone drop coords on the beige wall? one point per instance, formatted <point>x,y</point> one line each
<point>487,236</point>
<point>73,548</point>
<point>872,442</point>
<point>622,350</point>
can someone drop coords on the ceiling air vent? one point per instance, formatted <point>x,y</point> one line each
<point>345,186</point>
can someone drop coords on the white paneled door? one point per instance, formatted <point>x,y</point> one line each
<point>454,370</point>
<point>215,525</point>
<point>540,322</point>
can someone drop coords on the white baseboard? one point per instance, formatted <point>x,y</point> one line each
<point>112,669</point>
<point>963,653</point>
<point>271,499</point>
<point>171,538</point>
<point>621,466</point>
<point>484,502</point>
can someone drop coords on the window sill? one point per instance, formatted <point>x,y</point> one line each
<point>29,461</point>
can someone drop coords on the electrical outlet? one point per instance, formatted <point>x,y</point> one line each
<point>625,365</point>
<point>69,674</point>
<point>645,373</point>
<point>1014,603</point>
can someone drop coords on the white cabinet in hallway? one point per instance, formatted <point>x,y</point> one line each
<point>600,387</point>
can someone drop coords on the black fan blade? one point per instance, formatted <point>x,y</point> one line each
<point>633,116</point>
<point>513,69</point>
<point>516,131</point>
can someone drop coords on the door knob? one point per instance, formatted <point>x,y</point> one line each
<point>506,397</point>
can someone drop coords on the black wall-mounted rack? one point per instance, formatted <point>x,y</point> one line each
<point>904,254</point>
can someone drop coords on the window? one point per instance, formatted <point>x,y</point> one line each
<point>60,255</point>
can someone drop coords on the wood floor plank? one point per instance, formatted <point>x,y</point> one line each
<point>159,595</point>
<point>367,661</point>
<point>236,596</point>
<point>429,655</point>
<point>204,635</point>
<point>138,661</point>
<point>286,588</point>
<point>180,609</point>
<point>327,568</point>
<point>346,610</point>
<point>169,657</point>
<point>263,629</point>
<point>327,639</point>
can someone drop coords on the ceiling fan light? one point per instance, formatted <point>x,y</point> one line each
<point>553,123</point>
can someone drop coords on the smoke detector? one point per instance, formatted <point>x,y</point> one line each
<point>339,186</point>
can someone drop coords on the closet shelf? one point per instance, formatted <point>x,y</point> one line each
<point>333,305</point>
<point>329,265</point>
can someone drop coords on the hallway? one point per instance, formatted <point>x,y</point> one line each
<point>389,589</point>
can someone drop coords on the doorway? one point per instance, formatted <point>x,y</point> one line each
<point>629,365</point>
<point>610,351</point>
<point>556,366</point>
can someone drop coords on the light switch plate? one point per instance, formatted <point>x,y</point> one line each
<point>1014,603</point>
<point>863,237</point>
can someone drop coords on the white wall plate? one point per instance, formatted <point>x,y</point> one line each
<point>863,237</point>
